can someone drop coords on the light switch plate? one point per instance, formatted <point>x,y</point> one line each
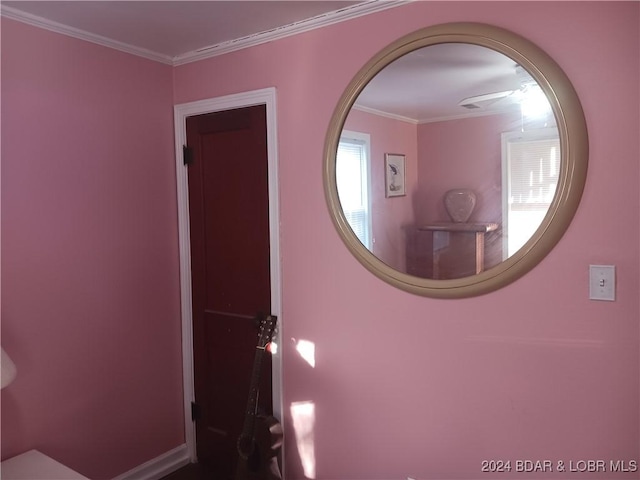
<point>602,282</point>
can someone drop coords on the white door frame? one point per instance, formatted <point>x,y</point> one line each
<point>266,97</point>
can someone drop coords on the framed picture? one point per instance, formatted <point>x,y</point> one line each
<point>394,175</point>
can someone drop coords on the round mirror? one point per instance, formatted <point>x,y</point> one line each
<point>455,160</point>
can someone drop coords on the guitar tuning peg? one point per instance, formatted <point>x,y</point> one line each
<point>258,320</point>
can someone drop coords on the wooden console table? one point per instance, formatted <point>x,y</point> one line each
<point>478,229</point>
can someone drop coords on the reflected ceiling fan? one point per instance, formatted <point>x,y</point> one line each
<point>527,83</point>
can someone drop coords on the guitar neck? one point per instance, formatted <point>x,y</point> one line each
<point>254,388</point>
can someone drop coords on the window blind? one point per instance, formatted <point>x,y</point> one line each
<point>532,177</point>
<point>351,180</point>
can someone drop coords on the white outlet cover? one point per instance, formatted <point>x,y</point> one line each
<point>602,282</point>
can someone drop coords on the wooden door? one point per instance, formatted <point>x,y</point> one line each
<point>229,229</point>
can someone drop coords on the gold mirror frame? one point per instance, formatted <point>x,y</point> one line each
<point>573,166</point>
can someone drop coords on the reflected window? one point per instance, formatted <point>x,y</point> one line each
<point>352,178</point>
<point>531,165</point>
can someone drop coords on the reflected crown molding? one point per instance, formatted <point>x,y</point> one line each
<point>421,121</point>
<point>382,113</point>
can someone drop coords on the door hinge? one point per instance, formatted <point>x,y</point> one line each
<point>195,411</point>
<point>187,155</point>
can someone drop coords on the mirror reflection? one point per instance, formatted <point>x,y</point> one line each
<point>448,161</point>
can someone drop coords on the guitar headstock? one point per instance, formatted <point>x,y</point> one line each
<point>266,330</point>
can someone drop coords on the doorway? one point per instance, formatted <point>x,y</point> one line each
<point>265,99</point>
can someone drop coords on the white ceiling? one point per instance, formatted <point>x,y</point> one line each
<point>423,86</point>
<point>173,31</point>
<point>428,84</point>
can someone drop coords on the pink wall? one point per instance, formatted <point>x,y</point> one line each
<point>405,385</point>
<point>464,153</point>
<point>90,290</point>
<point>402,385</point>
<point>391,216</point>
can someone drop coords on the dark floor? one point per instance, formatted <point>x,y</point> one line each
<point>193,471</point>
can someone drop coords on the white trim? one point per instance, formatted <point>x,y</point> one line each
<point>462,116</point>
<point>266,97</point>
<point>329,18</point>
<point>414,121</point>
<point>365,139</point>
<point>381,113</point>
<point>40,22</point>
<point>160,466</point>
<point>546,133</point>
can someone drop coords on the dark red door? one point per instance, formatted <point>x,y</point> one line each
<point>229,223</point>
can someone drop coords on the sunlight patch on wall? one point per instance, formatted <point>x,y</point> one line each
<point>304,418</point>
<point>307,351</point>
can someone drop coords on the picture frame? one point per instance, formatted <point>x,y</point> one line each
<point>394,167</point>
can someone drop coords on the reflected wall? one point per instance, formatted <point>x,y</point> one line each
<point>391,217</point>
<point>444,155</point>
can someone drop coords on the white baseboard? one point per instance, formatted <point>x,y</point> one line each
<point>159,467</point>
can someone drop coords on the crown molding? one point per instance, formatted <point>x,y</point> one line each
<point>462,116</point>
<point>382,113</point>
<point>329,18</point>
<point>34,20</point>
<point>347,13</point>
<point>422,121</point>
